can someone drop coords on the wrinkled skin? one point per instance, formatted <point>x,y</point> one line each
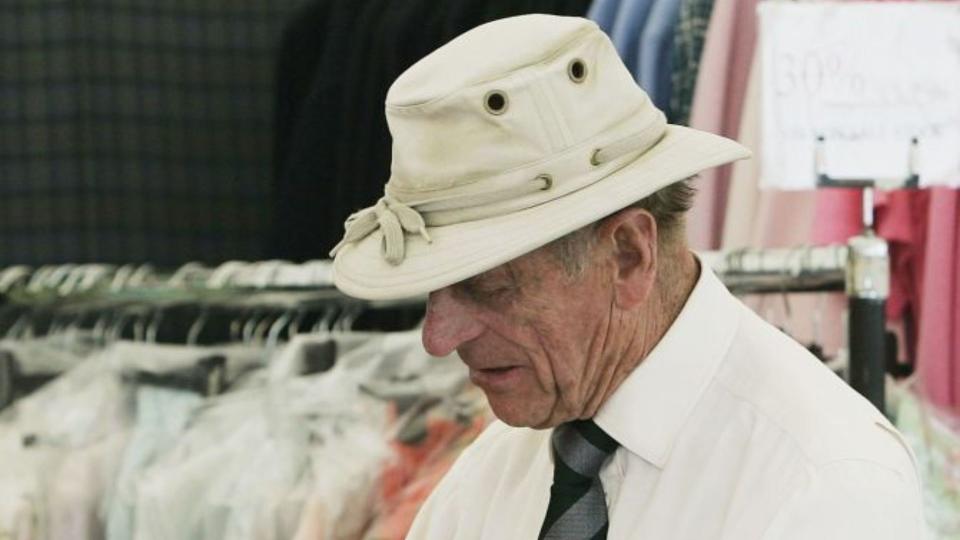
<point>547,348</point>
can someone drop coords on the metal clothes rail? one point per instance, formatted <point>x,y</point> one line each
<point>860,269</point>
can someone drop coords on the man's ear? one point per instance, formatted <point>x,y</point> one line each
<point>632,235</point>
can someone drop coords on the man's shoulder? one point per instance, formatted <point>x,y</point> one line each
<point>793,392</point>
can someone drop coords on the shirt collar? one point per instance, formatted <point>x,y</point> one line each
<point>648,410</point>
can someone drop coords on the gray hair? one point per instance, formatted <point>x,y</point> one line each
<point>667,205</point>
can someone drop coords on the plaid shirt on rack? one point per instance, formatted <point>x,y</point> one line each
<point>135,131</point>
<point>687,48</point>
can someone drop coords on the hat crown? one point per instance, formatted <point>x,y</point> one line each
<point>485,53</point>
<point>504,96</point>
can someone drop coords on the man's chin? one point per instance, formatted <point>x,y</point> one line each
<point>518,413</point>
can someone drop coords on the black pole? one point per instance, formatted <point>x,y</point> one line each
<point>868,286</point>
<point>868,348</point>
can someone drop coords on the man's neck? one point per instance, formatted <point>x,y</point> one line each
<point>650,325</point>
<point>658,317</point>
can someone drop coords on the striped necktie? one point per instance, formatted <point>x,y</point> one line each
<point>578,508</point>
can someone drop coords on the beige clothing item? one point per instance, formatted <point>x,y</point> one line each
<point>508,137</point>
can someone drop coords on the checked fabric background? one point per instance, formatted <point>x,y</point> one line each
<point>204,130</point>
<point>136,130</point>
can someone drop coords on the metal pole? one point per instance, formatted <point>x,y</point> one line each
<point>868,286</point>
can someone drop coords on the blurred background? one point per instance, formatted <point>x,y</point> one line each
<point>174,360</point>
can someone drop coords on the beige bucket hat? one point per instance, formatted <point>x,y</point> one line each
<point>505,139</point>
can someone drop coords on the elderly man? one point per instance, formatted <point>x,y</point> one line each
<point>538,196</point>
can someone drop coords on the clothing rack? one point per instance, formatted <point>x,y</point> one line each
<point>71,280</point>
<point>257,303</point>
<point>860,269</point>
<point>67,279</point>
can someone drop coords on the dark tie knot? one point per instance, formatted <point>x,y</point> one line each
<point>580,448</point>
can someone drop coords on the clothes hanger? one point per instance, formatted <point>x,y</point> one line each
<point>347,317</point>
<point>121,277</point>
<point>276,329</point>
<point>13,276</point>
<point>193,334</point>
<point>250,325</point>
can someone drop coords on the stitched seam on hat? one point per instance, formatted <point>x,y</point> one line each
<point>556,110</point>
<point>587,32</point>
<point>542,104</point>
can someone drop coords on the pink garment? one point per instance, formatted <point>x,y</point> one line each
<point>920,226</point>
<point>717,104</point>
<point>937,302</point>
<point>773,219</point>
<point>922,229</point>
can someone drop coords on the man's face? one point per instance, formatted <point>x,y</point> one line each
<point>535,339</point>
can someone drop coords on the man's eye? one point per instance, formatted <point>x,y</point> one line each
<point>495,291</point>
<point>487,291</point>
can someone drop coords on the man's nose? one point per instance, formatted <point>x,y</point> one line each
<point>448,323</point>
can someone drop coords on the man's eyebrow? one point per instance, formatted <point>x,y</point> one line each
<point>470,284</point>
<point>479,280</point>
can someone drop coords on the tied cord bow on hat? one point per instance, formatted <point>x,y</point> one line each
<point>393,218</point>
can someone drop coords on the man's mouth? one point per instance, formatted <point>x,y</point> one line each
<point>497,378</point>
<point>497,369</point>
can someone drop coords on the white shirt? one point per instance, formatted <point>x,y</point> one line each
<point>729,430</point>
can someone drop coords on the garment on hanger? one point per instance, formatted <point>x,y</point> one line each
<point>919,225</point>
<point>309,200</point>
<point>308,455</point>
<point>628,27</point>
<point>78,487</point>
<point>717,108</point>
<point>922,228</point>
<point>460,16</point>
<point>604,13</point>
<point>362,106</point>
<point>654,66</point>
<point>687,48</point>
<point>301,45</point>
<point>162,415</point>
<point>449,427</point>
<point>338,147</point>
<point>80,408</point>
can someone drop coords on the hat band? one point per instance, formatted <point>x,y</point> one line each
<point>492,197</point>
<point>579,170</point>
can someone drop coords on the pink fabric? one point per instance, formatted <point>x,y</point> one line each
<point>837,215</point>
<point>922,228</point>
<point>717,105</point>
<point>938,301</point>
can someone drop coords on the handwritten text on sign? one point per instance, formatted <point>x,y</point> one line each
<point>868,77</point>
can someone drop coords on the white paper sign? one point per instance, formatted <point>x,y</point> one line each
<point>868,77</point>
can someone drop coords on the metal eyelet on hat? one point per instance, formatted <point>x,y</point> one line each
<point>577,70</point>
<point>496,102</point>
<point>547,181</point>
<point>594,159</point>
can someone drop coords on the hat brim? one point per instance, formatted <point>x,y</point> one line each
<point>463,250</point>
